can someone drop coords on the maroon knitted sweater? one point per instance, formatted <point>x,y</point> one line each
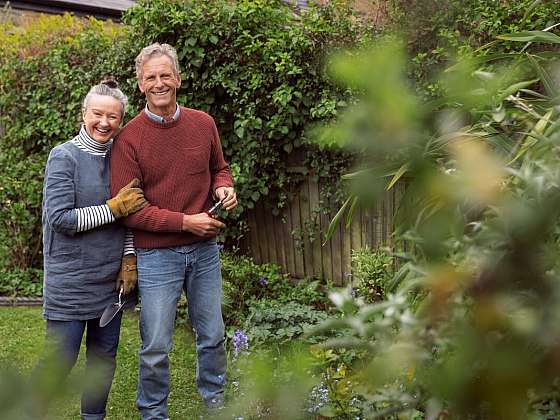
<point>179,164</point>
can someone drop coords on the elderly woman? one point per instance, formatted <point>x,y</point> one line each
<point>83,248</point>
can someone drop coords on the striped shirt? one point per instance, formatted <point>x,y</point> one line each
<point>94,216</point>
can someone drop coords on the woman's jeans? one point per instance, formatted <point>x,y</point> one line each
<point>101,351</point>
<point>162,275</point>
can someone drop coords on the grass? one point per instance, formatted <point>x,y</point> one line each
<point>23,329</point>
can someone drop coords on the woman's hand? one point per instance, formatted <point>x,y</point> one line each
<point>128,200</point>
<point>128,274</point>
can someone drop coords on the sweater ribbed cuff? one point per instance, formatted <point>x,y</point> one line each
<point>175,222</point>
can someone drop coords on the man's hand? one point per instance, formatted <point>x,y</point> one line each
<point>202,225</point>
<point>228,197</point>
<point>128,275</point>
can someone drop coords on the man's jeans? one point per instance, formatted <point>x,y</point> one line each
<point>162,274</point>
<point>101,351</point>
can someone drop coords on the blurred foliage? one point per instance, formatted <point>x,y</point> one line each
<point>255,66</point>
<point>439,31</point>
<point>481,218</point>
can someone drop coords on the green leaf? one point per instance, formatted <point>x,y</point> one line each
<point>352,210</point>
<point>213,39</point>
<point>516,87</point>
<point>336,219</point>
<point>544,76</point>
<point>398,175</point>
<point>531,36</point>
<point>240,131</point>
<point>327,411</point>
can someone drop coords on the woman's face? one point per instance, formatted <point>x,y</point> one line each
<point>102,117</point>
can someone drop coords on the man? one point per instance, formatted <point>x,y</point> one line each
<point>176,154</point>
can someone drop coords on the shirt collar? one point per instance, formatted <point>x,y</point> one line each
<point>159,119</point>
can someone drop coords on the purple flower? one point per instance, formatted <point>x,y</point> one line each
<point>263,281</point>
<point>240,342</point>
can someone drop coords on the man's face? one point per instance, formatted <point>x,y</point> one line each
<point>159,83</point>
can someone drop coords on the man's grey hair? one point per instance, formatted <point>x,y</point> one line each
<point>110,88</point>
<point>156,50</point>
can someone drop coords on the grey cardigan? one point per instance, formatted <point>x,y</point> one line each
<point>80,269</point>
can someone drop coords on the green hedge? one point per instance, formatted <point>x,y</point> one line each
<point>440,31</point>
<point>254,65</point>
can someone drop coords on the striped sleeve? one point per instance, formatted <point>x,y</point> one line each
<point>93,216</point>
<point>129,243</point>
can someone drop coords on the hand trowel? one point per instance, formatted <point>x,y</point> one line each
<point>112,310</point>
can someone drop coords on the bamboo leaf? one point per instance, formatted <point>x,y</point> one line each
<point>356,174</point>
<point>543,122</point>
<point>398,175</point>
<point>336,220</point>
<point>351,212</point>
<point>485,59</point>
<point>398,278</point>
<point>516,87</point>
<point>531,36</point>
<point>543,75</point>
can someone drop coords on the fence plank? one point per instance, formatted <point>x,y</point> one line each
<point>278,225</point>
<point>307,246</point>
<point>316,244</point>
<point>299,268</point>
<point>288,241</point>
<point>262,231</point>
<point>254,242</point>
<point>346,252</point>
<point>272,242</point>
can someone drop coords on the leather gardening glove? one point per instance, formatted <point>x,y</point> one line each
<point>128,200</point>
<point>128,275</point>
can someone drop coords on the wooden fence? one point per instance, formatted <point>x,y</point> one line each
<point>284,239</point>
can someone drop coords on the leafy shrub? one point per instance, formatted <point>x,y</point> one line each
<point>371,270</point>
<point>46,69</point>
<point>279,323</point>
<point>245,283</point>
<point>21,283</point>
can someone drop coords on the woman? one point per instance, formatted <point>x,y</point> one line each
<point>82,246</point>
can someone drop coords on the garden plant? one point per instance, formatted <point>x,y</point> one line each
<point>458,99</point>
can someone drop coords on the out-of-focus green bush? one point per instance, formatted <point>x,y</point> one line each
<point>481,219</point>
<point>439,31</point>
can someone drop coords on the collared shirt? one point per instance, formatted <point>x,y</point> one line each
<point>159,119</point>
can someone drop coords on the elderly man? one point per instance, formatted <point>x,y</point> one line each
<point>177,155</point>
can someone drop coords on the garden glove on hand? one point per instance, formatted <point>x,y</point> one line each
<point>128,200</point>
<point>127,275</point>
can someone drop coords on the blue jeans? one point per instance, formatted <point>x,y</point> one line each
<point>101,352</point>
<point>162,275</point>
